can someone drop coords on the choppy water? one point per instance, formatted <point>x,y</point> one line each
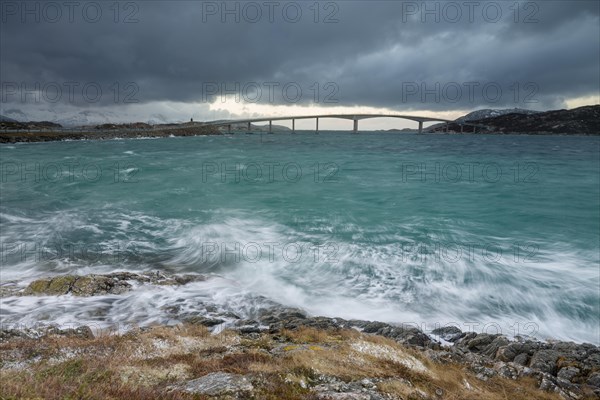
<point>488,232</point>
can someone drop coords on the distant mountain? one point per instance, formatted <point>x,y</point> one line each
<point>31,125</point>
<point>6,119</point>
<point>66,118</point>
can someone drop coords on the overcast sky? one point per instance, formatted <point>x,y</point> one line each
<point>159,60</point>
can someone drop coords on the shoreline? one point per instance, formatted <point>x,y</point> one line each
<point>29,136</point>
<point>569,369</point>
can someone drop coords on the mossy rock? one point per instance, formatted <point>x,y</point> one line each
<point>89,285</point>
<point>51,286</point>
<point>61,285</point>
<point>92,285</point>
<point>38,287</point>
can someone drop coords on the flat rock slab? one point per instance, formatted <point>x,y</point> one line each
<point>217,384</point>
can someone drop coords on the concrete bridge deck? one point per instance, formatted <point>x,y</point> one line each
<point>353,117</point>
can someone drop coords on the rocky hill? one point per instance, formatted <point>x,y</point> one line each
<point>579,121</point>
<point>582,121</point>
<point>491,113</point>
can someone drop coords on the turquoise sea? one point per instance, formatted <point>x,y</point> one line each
<point>494,233</point>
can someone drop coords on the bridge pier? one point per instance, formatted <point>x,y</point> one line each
<point>461,128</point>
<point>317,131</point>
<point>355,126</point>
<point>420,126</point>
<point>293,125</point>
<point>249,127</point>
<point>229,128</point>
<point>270,126</point>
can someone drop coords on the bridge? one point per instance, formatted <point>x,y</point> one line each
<point>354,117</point>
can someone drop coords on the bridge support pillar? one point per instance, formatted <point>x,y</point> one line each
<point>270,126</point>
<point>462,128</point>
<point>446,127</point>
<point>420,126</point>
<point>229,128</point>
<point>249,127</point>
<point>355,126</point>
<point>293,125</point>
<point>317,131</point>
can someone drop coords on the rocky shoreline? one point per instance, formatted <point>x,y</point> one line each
<point>34,132</point>
<point>324,352</point>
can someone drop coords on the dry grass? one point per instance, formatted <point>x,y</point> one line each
<point>142,364</point>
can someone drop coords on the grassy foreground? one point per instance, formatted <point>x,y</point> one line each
<point>306,363</point>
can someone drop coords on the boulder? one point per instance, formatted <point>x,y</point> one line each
<point>594,379</point>
<point>545,361</point>
<point>448,333</point>
<point>568,373</point>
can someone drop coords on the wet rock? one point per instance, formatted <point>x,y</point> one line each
<point>521,359</point>
<point>10,334</point>
<point>208,322</point>
<point>545,361</point>
<point>405,334</point>
<point>371,327</point>
<point>159,278</point>
<point>448,333</point>
<point>89,285</point>
<point>464,339</point>
<point>282,317</point>
<point>249,329</point>
<point>10,288</point>
<point>82,332</point>
<point>94,285</point>
<point>217,384</point>
<point>480,342</point>
<point>51,286</point>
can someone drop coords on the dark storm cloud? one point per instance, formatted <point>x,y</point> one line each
<point>403,55</point>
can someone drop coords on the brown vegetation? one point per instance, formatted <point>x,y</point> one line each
<point>289,364</point>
